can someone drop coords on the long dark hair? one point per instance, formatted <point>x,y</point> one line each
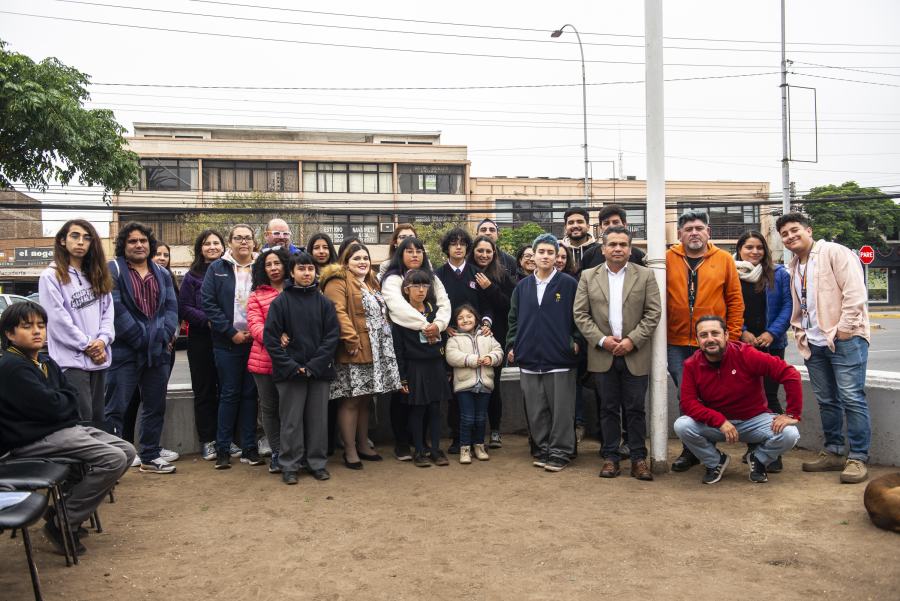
<point>768,279</point>
<point>129,227</point>
<point>258,274</point>
<point>400,227</point>
<point>396,266</point>
<point>493,270</point>
<point>199,260</point>
<point>351,250</point>
<point>332,254</point>
<point>344,244</point>
<point>93,265</point>
<point>168,266</point>
<point>571,267</point>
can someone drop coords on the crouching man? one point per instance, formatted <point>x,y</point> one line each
<point>39,417</point>
<point>723,400</point>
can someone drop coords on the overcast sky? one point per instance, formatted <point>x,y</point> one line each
<point>723,118</point>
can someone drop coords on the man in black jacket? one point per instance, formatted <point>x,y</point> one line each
<point>489,228</point>
<point>302,370</point>
<point>609,216</point>
<point>458,278</point>
<point>39,417</point>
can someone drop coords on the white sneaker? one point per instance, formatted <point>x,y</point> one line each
<point>235,451</point>
<point>209,451</point>
<point>169,455</point>
<point>137,460</point>
<point>263,447</point>
<point>157,466</point>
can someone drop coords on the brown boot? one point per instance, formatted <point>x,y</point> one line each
<point>640,471</point>
<point>826,462</point>
<point>610,469</point>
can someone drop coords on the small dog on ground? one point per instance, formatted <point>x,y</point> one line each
<point>882,500</point>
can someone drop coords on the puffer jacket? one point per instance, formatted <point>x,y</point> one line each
<point>257,309</point>
<point>779,306</point>
<point>463,352</point>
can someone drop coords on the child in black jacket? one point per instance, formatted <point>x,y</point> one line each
<point>423,372</point>
<point>303,369</point>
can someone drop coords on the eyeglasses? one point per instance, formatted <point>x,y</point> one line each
<point>75,236</point>
<point>528,256</point>
<point>403,237</point>
<point>272,249</point>
<point>413,251</point>
<point>243,238</point>
<point>418,287</point>
<point>280,234</point>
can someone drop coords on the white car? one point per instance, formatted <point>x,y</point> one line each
<point>8,299</point>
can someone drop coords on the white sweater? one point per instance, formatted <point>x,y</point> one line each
<point>401,312</point>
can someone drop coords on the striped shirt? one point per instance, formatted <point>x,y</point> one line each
<point>146,290</point>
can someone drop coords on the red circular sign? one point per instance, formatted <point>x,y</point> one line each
<point>867,254</point>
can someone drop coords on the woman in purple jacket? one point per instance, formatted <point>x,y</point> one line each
<point>208,247</point>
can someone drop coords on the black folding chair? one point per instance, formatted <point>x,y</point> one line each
<point>20,516</point>
<point>33,475</point>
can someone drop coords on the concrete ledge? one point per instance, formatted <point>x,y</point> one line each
<point>180,433</point>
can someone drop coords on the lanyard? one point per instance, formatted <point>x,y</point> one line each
<point>692,285</point>
<point>804,308</point>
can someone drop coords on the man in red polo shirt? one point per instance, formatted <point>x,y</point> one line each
<point>723,400</point>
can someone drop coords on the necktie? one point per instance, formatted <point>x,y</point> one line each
<point>458,273</point>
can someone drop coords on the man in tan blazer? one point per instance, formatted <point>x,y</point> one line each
<point>617,308</point>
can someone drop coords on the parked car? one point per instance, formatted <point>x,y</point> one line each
<point>8,299</point>
<point>35,298</point>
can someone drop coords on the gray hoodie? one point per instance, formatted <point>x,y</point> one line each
<point>75,317</point>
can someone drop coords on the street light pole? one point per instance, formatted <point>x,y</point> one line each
<point>556,34</point>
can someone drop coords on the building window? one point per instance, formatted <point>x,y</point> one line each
<point>357,178</point>
<point>727,221</point>
<point>168,174</point>
<point>431,179</point>
<point>637,223</point>
<point>241,176</point>
<point>364,227</point>
<point>165,227</point>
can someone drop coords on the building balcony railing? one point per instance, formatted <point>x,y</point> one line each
<point>731,231</point>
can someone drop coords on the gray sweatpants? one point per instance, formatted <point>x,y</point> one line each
<point>550,405</point>
<point>108,456</point>
<point>91,387</point>
<point>303,407</point>
<point>268,406</point>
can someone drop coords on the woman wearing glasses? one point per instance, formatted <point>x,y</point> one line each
<point>364,362</point>
<point>225,293</point>
<point>401,233</point>
<point>525,258</point>
<point>411,255</point>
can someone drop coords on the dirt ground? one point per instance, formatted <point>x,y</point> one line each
<point>496,530</point>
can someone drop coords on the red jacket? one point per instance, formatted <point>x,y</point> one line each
<point>257,309</point>
<point>735,390</point>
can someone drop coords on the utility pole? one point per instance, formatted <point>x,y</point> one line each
<point>785,160</point>
<point>656,230</point>
<point>556,34</point>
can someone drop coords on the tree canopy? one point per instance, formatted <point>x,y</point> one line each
<point>510,239</point>
<point>853,223</point>
<point>46,133</point>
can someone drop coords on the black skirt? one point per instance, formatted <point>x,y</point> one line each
<point>427,381</point>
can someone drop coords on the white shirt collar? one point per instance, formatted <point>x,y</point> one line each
<point>461,268</point>
<point>553,272</point>
<point>621,271</point>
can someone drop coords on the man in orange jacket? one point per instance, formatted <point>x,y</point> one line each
<point>700,280</point>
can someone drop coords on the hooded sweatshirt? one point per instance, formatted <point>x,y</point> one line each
<point>579,251</point>
<point>223,298</point>
<point>75,317</point>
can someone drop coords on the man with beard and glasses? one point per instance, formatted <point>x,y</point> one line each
<point>700,280</point>
<point>723,400</point>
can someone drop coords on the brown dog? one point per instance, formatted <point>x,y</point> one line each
<point>882,501</point>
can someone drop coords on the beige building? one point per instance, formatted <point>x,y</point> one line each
<point>361,182</point>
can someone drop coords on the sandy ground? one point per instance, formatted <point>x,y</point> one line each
<point>496,530</point>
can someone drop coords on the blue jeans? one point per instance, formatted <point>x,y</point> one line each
<point>675,358</point>
<point>238,394</point>
<point>121,383</point>
<point>838,380</point>
<point>701,439</point>
<point>472,410</point>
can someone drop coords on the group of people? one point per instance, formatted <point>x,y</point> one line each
<point>288,346</point>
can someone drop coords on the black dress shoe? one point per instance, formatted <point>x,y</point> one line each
<point>321,474</point>
<point>55,535</point>
<point>685,462</point>
<point>375,457</point>
<point>353,466</point>
<point>289,477</point>
<point>454,447</point>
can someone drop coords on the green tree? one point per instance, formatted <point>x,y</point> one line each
<point>510,239</point>
<point>852,223</point>
<point>46,133</point>
<point>431,232</point>
<point>260,208</point>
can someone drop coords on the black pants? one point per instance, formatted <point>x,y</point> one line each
<point>598,397</point>
<point>400,420</point>
<point>770,386</point>
<point>133,410</point>
<point>621,389</point>
<point>205,384</point>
